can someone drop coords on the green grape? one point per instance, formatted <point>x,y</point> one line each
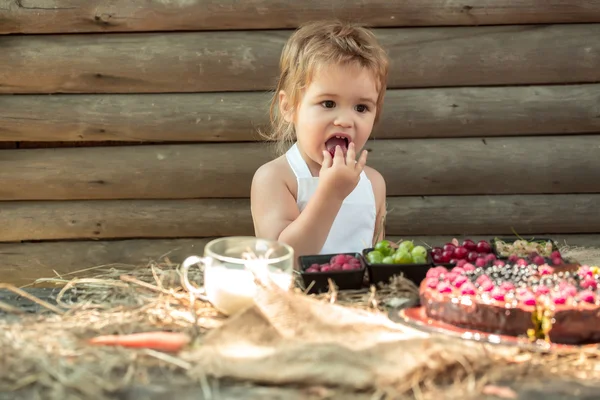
<point>375,257</point>
<point>407,245</point>
<point>419,251</point>
<point>403,257</point>
<point>388,260</point>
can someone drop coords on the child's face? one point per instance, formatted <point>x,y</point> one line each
<point>340,101</point>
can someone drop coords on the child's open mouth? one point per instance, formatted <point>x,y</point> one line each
<point>341,141</point>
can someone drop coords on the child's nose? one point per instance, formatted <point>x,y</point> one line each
<point>344,120</point>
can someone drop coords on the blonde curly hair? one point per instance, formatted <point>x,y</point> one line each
<point>313,46</point>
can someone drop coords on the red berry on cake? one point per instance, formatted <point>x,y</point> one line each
<point>486,286</point>
<point>432,282</point>
<point>499,263</point>
<point>443,287</point>
<point>498,294</point>
<point>450,276</point>
<point>441,270</point>
<point>585,270</point>
<point>458,270</point>
<point>468,289</point>
<point>545,269</point>
<point>588,283</point>
<point>481,279</point>
<point>542,289</point>
<point>432,273</point>
<point>527,298</point>
<point>559,298</point>
<point>587,296</point>
<point>459,281</point>
<point>568,290</point>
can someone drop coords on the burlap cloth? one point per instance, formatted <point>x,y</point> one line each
<point>288,338</point>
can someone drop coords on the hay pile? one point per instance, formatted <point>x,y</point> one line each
<point>335,345</point>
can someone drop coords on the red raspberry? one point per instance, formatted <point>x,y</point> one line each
<point>498,294</point>
<point>589,283</point>
<point>338,259</point>
<point>541,289</point>
<point>486,286</point>
<point>432,282</point>
<point>588,296</point>
<point>443,287</point>
<point>467,288</point>
<point>459,281</point>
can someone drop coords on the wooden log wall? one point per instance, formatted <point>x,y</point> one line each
<point>128,128</point>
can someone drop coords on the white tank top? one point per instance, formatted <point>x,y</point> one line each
<point>354,225</point>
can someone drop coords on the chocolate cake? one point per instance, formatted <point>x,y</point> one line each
<point>562,306</point>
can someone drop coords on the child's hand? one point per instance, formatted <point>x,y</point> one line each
<point>340,175</point>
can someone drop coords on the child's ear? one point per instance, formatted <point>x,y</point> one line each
<point>284,107</point>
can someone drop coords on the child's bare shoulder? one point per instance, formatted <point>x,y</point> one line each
<point>375,177</point>
<point>275,173</point>
<point>378,184</point>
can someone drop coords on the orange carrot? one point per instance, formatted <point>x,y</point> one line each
<point>164,341</point>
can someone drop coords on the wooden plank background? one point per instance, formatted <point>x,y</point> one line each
<point>60,16</point>
<point>244,61</point>
<point>407,215</point>
<point>500,165</point>
<point>236,117</point>
<point>491,121</point>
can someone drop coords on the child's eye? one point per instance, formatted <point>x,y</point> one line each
<point>328,104</point>
<point>361,108</point>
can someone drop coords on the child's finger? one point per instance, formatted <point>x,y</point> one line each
<point>362,161</point>
<point>339,156</point>
<point>351,154</point>
<point>327,161</point>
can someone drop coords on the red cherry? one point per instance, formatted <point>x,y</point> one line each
<point>447,256</point>
<point>438,258</point>
<point>472,256</point>
<point>449,247</point>
<point>483,247</point>
<point>469,245</point>
<point>461,252</point>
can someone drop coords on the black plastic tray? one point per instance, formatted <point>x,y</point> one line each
<point>510,239</point>
<point>344,280</point>
<point>383,272</point>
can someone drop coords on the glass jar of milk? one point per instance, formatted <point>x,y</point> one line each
<point>230,265</point>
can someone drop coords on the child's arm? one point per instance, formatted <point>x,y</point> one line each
<point>275,212</point>
<point>379,190</point>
